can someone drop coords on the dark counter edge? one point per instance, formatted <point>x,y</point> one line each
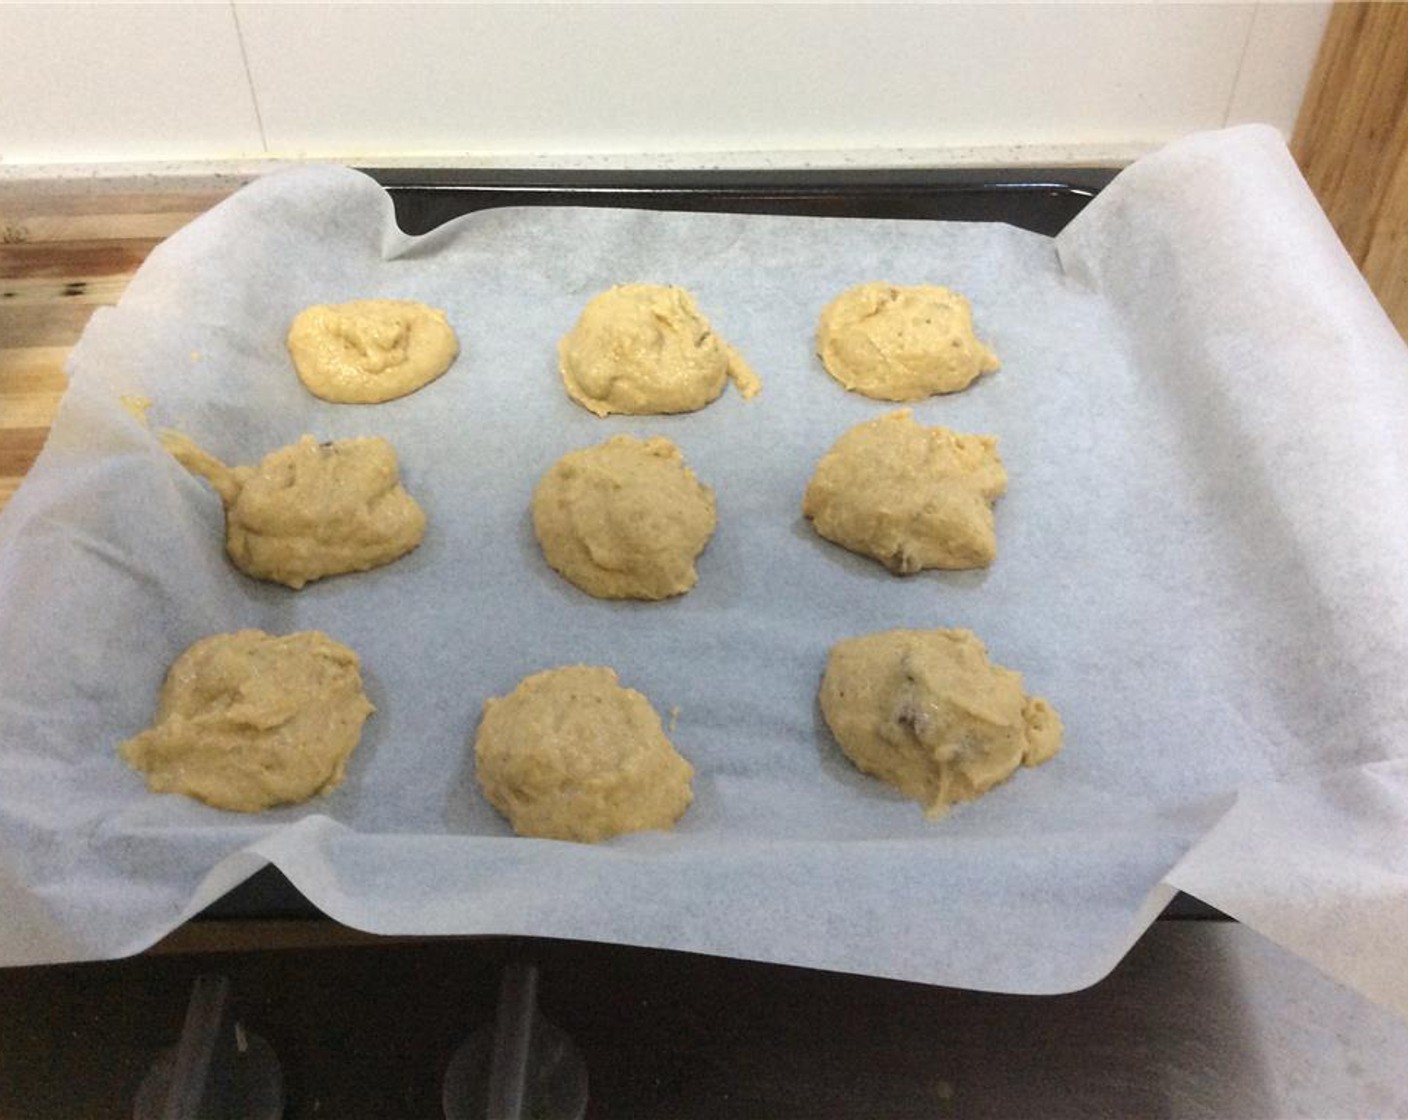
<point>1042,200</point>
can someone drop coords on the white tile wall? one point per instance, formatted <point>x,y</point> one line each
<point>1279,57</point>
<point>705,78</point>
<point>124,82</point>
<point>149,82</point>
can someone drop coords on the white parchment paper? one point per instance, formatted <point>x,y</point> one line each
<point>1202,564</point>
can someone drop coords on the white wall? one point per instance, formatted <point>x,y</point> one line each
<point>641,83</point>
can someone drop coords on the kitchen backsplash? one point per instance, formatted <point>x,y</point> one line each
<point>643,83</point>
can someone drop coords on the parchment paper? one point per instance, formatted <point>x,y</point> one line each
<point>1202,564</point>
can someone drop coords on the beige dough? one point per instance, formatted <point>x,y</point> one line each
<point>311,509</point>
<point>247,720</point>
<point>645,348</point>
<point>624,519</point>
<point>571,755</point>
<point>370,350</point>
<point>901,343</point>
<point>136,406</point>
<point>909,496</point>
<point>925,711</point>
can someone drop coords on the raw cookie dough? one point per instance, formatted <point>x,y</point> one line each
<point>624,519</point>
<point>248,720</point>
<point>311,509</point>
<point>646,348</point>
<point>927,712</point>
<point>909,496</point>
<point>571,755</point>
<point>370,350</point>
<point>898,343</point>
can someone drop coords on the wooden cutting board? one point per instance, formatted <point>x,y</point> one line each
<point>64,252</point>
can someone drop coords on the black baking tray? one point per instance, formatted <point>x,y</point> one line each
<point>1040,200</point>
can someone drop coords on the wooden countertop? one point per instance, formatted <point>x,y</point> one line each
<point>1351,142</point>
<point>65,251</point>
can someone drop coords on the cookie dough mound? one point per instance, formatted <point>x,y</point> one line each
<point>311,509</point>
<point>571,755</point>
<point>624,519</point>
<point>901,343</point>
<point>646,348</point>
<point>925,711</point>
<point>911,497</point>
<point>370,350</point>
<point>247,720</point>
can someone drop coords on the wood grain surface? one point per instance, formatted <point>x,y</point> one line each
<point>65,251</point>
<point>1351,141</point>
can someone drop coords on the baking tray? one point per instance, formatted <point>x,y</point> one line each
<point>1040,200</point>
